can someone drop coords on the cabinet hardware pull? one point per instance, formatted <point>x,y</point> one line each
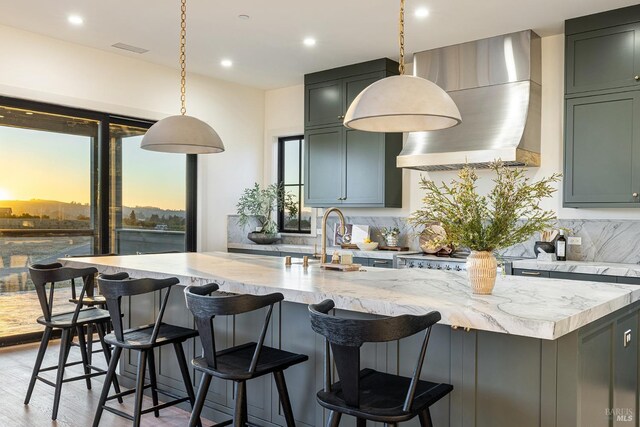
<point>340,117</point>
<point>637,78</point>
<point>380,262</point>
<point>530,273</point>
<point>635,194</point>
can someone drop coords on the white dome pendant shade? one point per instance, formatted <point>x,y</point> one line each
<point>182,134</point>
<point>402,104</point>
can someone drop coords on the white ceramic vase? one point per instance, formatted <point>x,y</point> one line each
<point>391,241</point>
<point>482,268</point>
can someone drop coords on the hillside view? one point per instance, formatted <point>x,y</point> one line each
<point>15,214</point>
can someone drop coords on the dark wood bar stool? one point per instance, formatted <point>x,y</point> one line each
<point>365,393</point>
<point>242,362</point>
<point>69,323</point>
<point>143,339</point>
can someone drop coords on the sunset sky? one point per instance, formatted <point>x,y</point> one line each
<point>54,166</point>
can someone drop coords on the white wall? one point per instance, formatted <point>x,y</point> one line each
<point>551,146</point>
<point>46,69</point>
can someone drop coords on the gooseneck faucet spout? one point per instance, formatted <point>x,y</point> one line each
<point>323,254</point>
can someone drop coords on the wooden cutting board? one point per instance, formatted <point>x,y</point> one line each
<point>393,248</point>
<point>341,267</point>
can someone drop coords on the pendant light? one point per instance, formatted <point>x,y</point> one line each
<point>182,133</point>
<point>402,103</point>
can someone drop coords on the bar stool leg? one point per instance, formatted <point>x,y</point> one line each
<point>90,342</point>
<point>107,356</point>
<point>137,410</point>
<point>46,336</point>
<point>361,422</point>
<point>65,344</point>
<point>239,413</point>
<point>205,382</point>
<point>334,419</point>
<point>113,364</point>
<point>425,418</point>
<point>152,378</point>
<point>82,344</point>
<point>278,376</point>
<point>184,370</point>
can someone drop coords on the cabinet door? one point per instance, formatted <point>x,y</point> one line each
<point>323,104</point>
<point>625,371</point>
<point>602,59</point>
<point>602,150</point>
<point>352,86</point>
<point>324,167</point>
<point>364,167</point>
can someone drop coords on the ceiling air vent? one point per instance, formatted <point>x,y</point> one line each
<point>130,48</point>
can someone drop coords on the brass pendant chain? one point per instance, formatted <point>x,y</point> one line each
<point>401,36</point>
<point>183,57</point>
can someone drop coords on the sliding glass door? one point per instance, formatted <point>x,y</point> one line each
<point>76,182</point>
<point>148,195</point>
<point>48,194</point>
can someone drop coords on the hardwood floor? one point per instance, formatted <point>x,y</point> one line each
<point>77,404</point>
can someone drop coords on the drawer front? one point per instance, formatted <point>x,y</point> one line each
<point>580,276</point>
<point>629,280</point>
<point>381,263</point>
<point>530,273</point>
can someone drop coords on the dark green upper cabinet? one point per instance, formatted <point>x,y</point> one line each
<point>323,103</point>
<point>603,59</point>
<point>602,110</point>
<point>602,149</point>
<point>326,103</point>
<point>344,167</point>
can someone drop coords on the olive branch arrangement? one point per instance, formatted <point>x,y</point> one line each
<point>508,214</point>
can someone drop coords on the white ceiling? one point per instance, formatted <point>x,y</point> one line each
<point>267,49</point>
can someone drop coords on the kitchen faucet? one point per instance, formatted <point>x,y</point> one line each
<point>323,254</point>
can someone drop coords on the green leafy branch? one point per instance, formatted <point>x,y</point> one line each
<point>508,214</point>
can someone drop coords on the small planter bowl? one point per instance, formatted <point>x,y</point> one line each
<point>264,238</point>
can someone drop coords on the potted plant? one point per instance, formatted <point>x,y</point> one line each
<point>508,214</point>
<point>260,203</point>
<point>390,235</point>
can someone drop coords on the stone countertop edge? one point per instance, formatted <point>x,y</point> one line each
<point>305,249</point>
<point>532,307</point>
<point>582,267</point>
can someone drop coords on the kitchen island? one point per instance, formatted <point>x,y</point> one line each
<point>538,352</point>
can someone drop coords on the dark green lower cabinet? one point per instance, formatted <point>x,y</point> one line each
<point>602,151</point>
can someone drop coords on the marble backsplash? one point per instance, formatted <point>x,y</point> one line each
<point>602,240</point>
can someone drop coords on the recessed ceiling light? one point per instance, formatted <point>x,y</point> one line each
<point>226,63</point>
<point>75,19</point>
<point>244,17</point>
<point>1,117</point>
<point>422,12</point>
<point>309,41</point>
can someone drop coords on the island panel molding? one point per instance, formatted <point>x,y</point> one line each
<point>530,307</point>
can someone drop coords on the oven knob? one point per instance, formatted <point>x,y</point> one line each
<point>458,268</point>
<point>429,266</point>
<point>438,267</point>
<point>448,267</point>
<point>421,265</point>
<point>411,265</point>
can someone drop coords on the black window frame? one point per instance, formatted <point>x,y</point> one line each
<point>300,184</point>
<point>100,181</point>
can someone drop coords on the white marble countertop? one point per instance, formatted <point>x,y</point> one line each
<point>584,267</point>
<point>532,307</point>
<point>306,249</point>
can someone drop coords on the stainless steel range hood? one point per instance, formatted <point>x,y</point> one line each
<point>496,84</point>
